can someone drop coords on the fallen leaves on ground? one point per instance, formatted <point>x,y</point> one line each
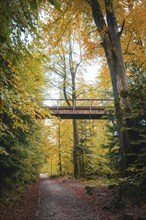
<point>102,199</point>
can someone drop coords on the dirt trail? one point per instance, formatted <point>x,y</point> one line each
<point>69,199</point>
<point>58,200</point>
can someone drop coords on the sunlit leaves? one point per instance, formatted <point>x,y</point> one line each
<point>59,142</point>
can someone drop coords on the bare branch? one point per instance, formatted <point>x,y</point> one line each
<point>126,51</point>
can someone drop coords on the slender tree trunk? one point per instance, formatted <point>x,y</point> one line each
<point>59,150</point>
<point>75,150</point>
<point>110,36</point>
<point>73,67</point>
<point>75,132</point>
<point>64,89</point>
<point>82,163</point>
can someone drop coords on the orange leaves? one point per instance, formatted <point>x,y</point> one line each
<point>104,78</point>
<point>133,39</point>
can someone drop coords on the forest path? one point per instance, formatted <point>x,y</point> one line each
<point>64,200</point>
<point>70,199</point>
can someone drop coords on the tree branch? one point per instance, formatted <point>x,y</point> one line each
<point>97,15</point>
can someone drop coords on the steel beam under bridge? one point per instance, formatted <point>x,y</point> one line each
<point>79,109</point>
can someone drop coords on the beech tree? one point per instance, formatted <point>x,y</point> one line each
<point>66,66</point>
<point>110,38</point>
<point>104,16</point>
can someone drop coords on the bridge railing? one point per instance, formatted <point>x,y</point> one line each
<point>79,108</point>
<point>78,102</point>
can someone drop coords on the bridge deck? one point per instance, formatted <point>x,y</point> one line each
<point>78,112</point>
<point>90,108</point>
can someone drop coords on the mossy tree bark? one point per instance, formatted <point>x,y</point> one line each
<point>110,36</point>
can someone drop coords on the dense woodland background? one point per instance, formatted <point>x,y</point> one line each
<point>46,46</point>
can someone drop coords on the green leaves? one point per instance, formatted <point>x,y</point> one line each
<point>22,82</point>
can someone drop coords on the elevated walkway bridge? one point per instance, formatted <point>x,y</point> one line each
<point>79,108</point>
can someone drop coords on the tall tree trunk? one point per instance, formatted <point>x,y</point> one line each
<point>59,150</point>
<point>73,67</point>
<point>110,36</point>
<point>64,89</point>
<point>75,150</point>
<point>82,163</point>
<point>75,131</point>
